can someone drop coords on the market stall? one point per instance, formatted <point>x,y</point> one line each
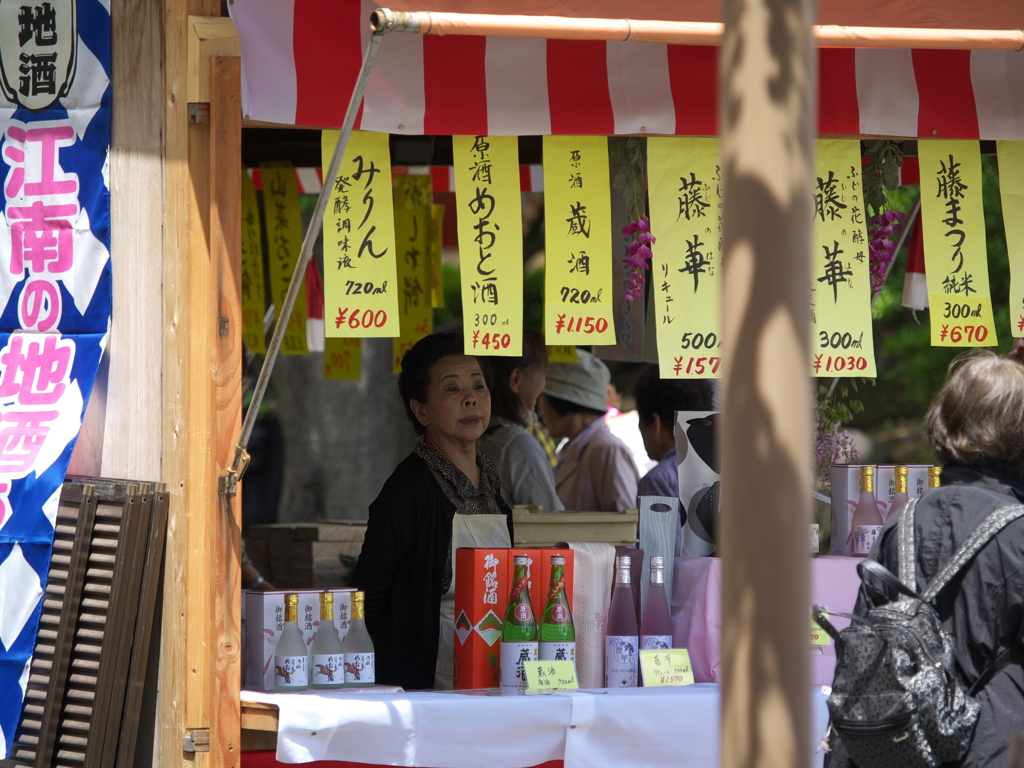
<point>781,284</point>
<point>173,189</point>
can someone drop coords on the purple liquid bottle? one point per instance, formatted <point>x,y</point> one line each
<point>621,654</point>
<point>655,623</point>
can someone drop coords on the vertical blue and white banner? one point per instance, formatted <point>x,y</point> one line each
<point>55,290</point>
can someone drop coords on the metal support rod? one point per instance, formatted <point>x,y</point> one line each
<point>285,311</point>
<point>908,225</point>
<point>680,32</point>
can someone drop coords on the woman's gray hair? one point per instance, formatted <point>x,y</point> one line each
<point>979,412</point>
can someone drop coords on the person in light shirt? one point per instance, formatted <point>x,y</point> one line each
<point>595,470</point>
<point>657,401</point>
<point>522,464</point>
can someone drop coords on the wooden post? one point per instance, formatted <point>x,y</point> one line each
<point>171,700</point>
<point>226,256</point>
<point>191,365</point>
<point>767,105</point>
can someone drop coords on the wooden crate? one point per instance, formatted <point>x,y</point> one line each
<point>306,555</point>
<point>534,528</point>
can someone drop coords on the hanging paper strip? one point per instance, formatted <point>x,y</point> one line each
<point>343,359</point>
<point>841,340</point>
<point>412,241</point>
<point>284,241</point>
<point>361,288</point>
<point>490,223</point>
<point>436,250</point>
<point>563,353</point>
<point>253,286</point>
<point>1011,189</point>
<point>955,253</point>
<point>686,269</point>
<point>578,262</point>
<point>55,291</point>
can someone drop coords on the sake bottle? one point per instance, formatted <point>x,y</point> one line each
<point>901,496</point>
<point>360,661</point>
<point>621,635</point>
<point>934,477</point>
<point>326,656</point>
<point>519,632</point>
<point>867,520</point>
<point>557,634</point>
<point>290,655</point>
<point>655,622</point>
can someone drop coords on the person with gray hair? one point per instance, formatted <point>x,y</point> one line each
<point>595,471</point>
<point>976,428</point>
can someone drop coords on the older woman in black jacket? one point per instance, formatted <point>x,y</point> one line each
<point>443,495</point>
<point>976,428</point>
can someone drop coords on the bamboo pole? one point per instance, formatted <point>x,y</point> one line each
<point>680,32</point>
<point>767,87</point>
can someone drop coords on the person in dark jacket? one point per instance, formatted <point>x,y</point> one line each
<point>976,428</point>
<point>442,496</point>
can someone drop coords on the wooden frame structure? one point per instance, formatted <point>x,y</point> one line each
<point>174,403</point>
<point>173,410</point>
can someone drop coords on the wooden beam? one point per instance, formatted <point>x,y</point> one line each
<point>209,36</point>
<point>225,171</point>
<point>171,700</point>
<point>767,84</point>
<point>200,492</point>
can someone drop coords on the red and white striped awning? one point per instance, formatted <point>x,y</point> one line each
<point>300,59</point>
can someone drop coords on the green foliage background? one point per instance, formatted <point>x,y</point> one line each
<point>910,370</point>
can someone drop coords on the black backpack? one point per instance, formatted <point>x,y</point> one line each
<point>896,699</point>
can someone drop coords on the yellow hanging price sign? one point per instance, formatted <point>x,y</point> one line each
<point>686,215</point>
<point>1011,189</point>
<point>436,250</point>
<point>841,339</point>
<point>360,281</point>
<point>253,285</point>
<point>550,676</point>
<point>490,243</point>
<point>412,241</point>
<point>578,238</point>
<point>666,667</point>
<point>955,252</point>
<point>343,359</point>
<point>284,239</point>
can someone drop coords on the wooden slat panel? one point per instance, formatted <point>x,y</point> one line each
<point>63,642</point>
<point>158,503</point>
<point>81,667</point>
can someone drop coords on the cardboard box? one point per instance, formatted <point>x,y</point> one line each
<point>917,479</point>
<point>845,495</point>
<point>264,621</point>
<point>885,484</point>
<point>481,596</point>
<point>483,579</point>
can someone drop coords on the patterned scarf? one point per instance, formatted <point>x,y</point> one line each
<point>460,491</point>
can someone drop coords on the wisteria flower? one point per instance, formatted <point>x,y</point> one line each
<point>881,247</point>
<point>638,256</point>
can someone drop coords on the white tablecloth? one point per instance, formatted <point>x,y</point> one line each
<point>641,727</point>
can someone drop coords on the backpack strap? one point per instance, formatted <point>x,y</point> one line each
<point>989,527</point>
<point>993,669</point>
<point>906,555</point>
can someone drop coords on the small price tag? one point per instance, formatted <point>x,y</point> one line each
<point>670,667</point>
<point>818,635</point>
<point>550,676</point>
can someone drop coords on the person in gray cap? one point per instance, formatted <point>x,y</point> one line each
<point>595,471</point>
